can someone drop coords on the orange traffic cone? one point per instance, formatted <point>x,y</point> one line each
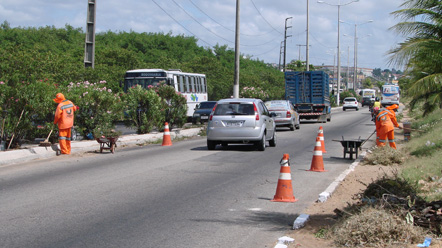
<point>317,161</point>
<point>321,137</point>
<point>284,191</point>
<point>166,137</point>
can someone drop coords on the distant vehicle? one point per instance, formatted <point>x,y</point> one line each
<point>244,120</point>
<point>202,112</point>
<point>286,115</point>
<point>350,103</point>
<point>368,97</point>
<point>193,86</point>
<point>390,95</point>
<point>310,93</point>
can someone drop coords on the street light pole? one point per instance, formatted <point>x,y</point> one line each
<point>285,41</point>
<point>307,41</point>
<point>339,50</point>
<point>237,53</point>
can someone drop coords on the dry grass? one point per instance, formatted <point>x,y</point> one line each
<point>375,227</point>
<point>385,156</point>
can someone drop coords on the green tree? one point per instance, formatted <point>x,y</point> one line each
<point>421,52</point>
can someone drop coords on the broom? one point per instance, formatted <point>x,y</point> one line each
<point>46,141</point>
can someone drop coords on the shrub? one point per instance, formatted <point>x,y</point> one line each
<point>174,105</point>
<point>143,109</point>
<point>384,155</point>
<point>254,92</point>
<point>99,106</point>
<point>27,110</point>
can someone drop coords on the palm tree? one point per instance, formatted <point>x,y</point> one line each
<point>421,52</point>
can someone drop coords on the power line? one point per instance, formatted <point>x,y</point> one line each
<point>231,30</point>
<point>264,18</point>
<point>181,24</point>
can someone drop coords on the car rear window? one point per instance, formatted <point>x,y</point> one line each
<point>276,105</point>
<point>235,109</point>
<point>350,99</point>
<point>207,105</point>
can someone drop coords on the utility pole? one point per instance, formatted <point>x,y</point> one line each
<point>299,56</point>
<point>89,47</point>
<point>307,41</point>
<point>285,41</point>
<point>281,49</point>
<point>236,79</point>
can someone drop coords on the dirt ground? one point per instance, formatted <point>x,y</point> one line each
<point>322,215</point>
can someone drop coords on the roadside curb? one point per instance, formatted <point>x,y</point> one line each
<point>32,152</point>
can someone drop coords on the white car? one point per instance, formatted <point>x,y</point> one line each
<point>350,103</point>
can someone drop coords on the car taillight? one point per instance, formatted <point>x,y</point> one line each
<point>213,110</point>
<point>288,115</point>
<point>256,112</point>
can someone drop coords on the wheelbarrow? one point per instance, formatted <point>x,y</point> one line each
<point>351,146</point>
<point>107,143</point>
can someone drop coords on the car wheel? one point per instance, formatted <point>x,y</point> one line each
<point>297,126</point>
<point>292,127</point>
<point>357,109</point>
<point>224,144</point>
<point>261,145</point>
<point>344,109</point>
<point>211,145</point>
<point>272,142</point>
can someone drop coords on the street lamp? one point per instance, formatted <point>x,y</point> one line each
<point>355,68</point>
<point>339,49</point>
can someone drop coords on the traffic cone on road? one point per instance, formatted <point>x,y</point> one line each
<point>166,136</point>
<point>317,161</point>
<point>321,137</point>
<point>284,190</point>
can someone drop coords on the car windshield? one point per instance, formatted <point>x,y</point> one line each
<point>235,109</point>
<point>207,105</point>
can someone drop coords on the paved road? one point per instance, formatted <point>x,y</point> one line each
<point>178,196</point>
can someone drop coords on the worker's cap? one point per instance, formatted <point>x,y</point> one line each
<point>59,98</point>
<point>394,106</point>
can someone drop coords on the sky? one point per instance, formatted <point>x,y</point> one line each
<point>262,25</point>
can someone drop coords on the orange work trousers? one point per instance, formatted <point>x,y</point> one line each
<point>64,138</point>
<point>383,136</point>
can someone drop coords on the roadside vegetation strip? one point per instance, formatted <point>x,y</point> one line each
<point>404,208</point>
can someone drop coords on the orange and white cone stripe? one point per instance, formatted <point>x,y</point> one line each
<point>284,190</point>
<point>167,141</point>
<point>317,160</point>
<point>321,137</point>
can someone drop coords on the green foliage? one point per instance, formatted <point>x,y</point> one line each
<point>26,109</point>
<point>144,109</point>
<point>253,92</point>
<point>421,52</point>
<point>174,105</point>
<point>99,106</point>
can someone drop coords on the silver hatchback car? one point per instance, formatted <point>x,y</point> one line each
<point>243,120</point>
<point>286,115</point>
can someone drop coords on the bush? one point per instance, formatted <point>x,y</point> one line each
<point>384,155</point>
<point>143,109</point>
<point>99,106</point>
<point>174,105</point>
<point>26,110</point>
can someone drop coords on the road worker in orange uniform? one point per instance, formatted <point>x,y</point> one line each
<point>64,117</point>
<point>385,123</point>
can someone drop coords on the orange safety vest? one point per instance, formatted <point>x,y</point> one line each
<point>64,115</point>
<point>383,120</point>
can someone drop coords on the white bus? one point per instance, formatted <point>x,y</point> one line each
<point>192,86</point>
<point>390,94</point>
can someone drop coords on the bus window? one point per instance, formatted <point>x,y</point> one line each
<point>181,83</point>
<point>192,83</point>
<point>203,85</point>
<point>187,84</point>
<point>197,84</point>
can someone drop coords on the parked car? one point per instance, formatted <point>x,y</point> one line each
<point>350,103</point>
<point>202,112</point>
<point>244,120</point>
<point>286,115</point>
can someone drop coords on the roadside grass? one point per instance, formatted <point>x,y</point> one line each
<point>392,208</point>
